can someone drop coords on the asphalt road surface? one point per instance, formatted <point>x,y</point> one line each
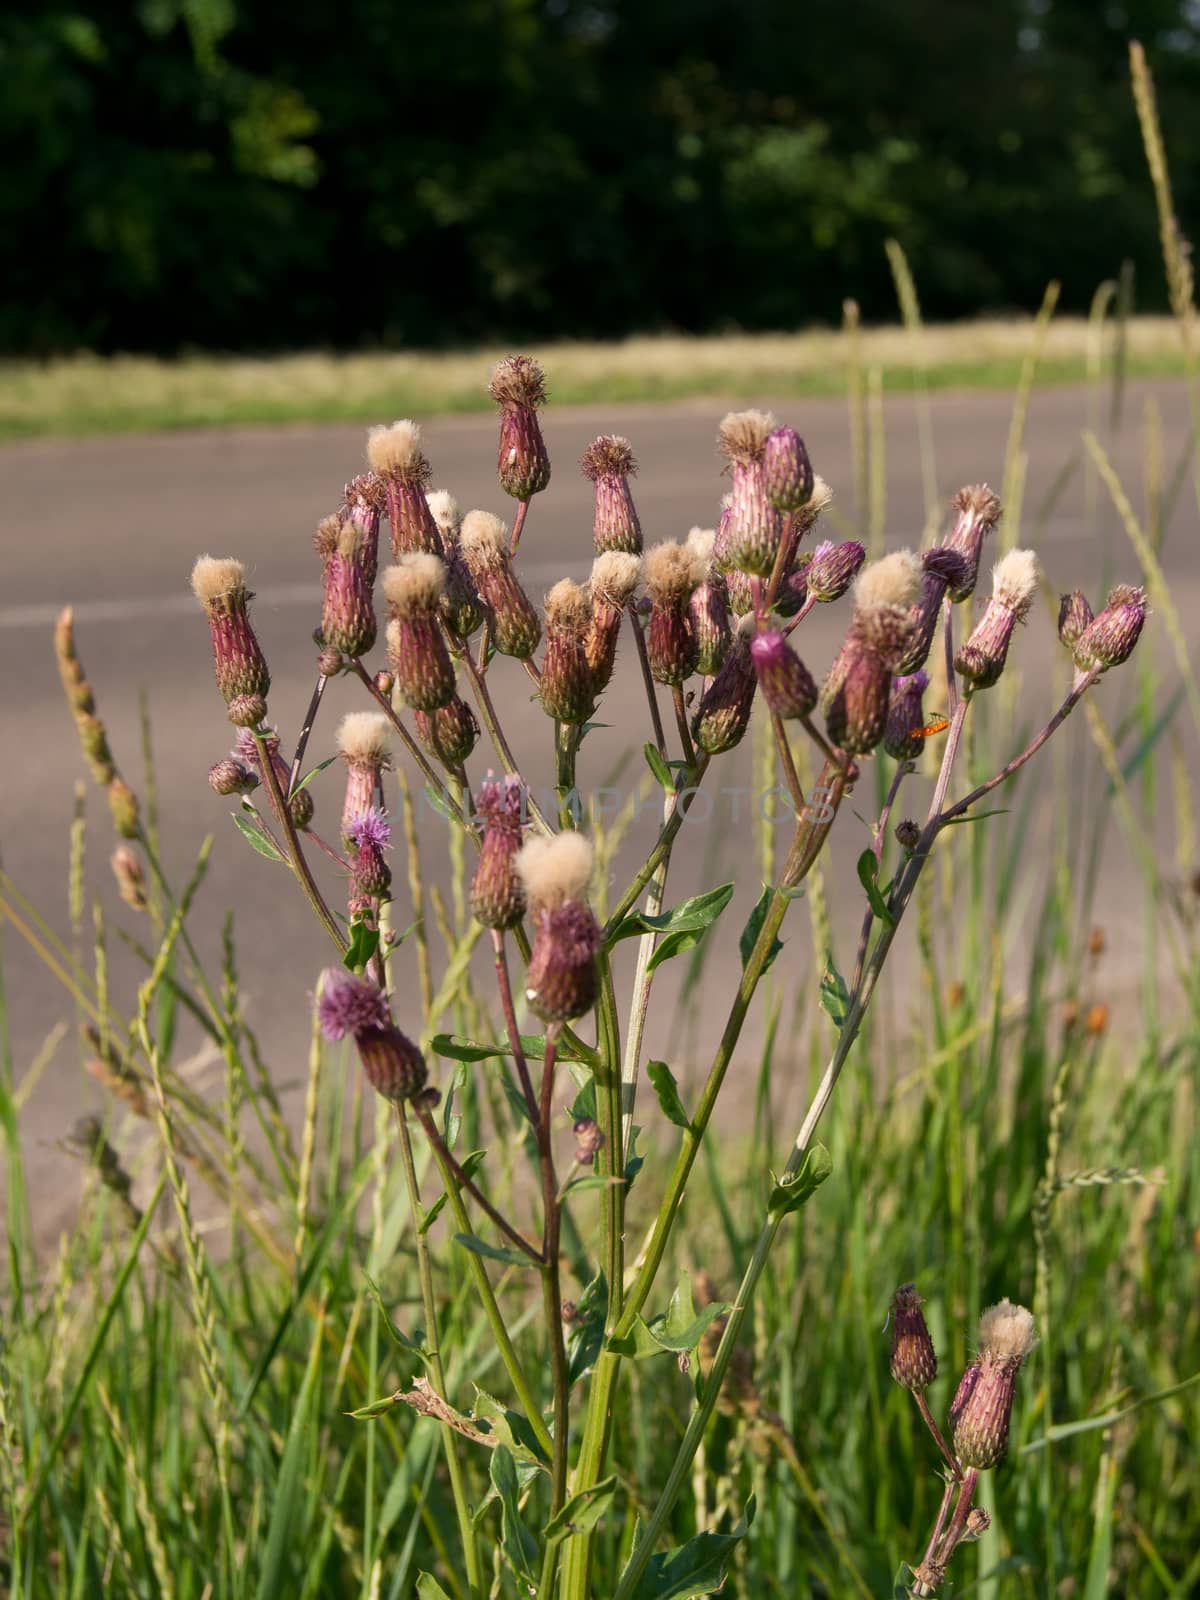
<point>113,526</point>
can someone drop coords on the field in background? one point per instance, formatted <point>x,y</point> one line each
<point>128,394</point>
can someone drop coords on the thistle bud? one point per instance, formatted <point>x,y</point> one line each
<point>855,696</point>
<point>982,1408</point>
<point>787,471</point>
<point>461,607</point>
<point>566,684</point>
<point>671,576</point>
<point>449,733</point>
<point>497,893</point>
<point>608,462</point>
<point>518,386</point>
<point>1014,583</point>
<point>515,622</point>
<point>364,741</point>
<point>347,1005</point>
<point>708,606</point>
<point>978,511</point>
<point>396,457</point>
<point>365,503</point>
<point>1109,638</point>
<point>914,1360</point>
<point>908,834</point>
<point>562,979</point>
<point>232,776</point>
<point>723,714</point>
<point>416,649</point>
<point>902,738</point>
<point>246,751</point>
<point>589,1140</point>
<point>833,569</point>
<point>615,576</point>
<point>241,668</point>
<point>348,614</point>
<point>942,567</point>
<point>131,880</point>
<point>785,681</point>
<point>755,527</point>
<point>391,1062</point>
<point>1074,615</point>
<point>741,595</point>
<point>369,834</point>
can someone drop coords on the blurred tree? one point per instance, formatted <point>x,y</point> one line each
<point>228,173</point>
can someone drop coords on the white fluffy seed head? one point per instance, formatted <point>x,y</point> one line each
<point>395,450</point>
<point>700,542</point>
<point>1015,579</point>
<point>1006,1332</point>
<point>483,538</point>
<point>443,508</point>
<point>415,583</point>
<point>743,434</point>
<point>555,869</point>
<point>215,577</point>
<point>892,581</point>
<point>567,606</point>
<point>670,575</point>
<point>615,575</point>
<point>819,499</point>
<point>364,737</point>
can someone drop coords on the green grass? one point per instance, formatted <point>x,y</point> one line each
<point>82,395</point>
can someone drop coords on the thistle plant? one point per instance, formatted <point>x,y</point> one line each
<point>715,621</point>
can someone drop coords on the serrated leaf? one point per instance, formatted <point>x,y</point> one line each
<point>663,1082</point>
<point>694,1569</point>
<point>470,1165</point>
<point>309,776</point>
<point>790,1195</point>
<point>699,912</point>
<point>835,997</point>
<point>582,1511</point>
<point>753,928</point>
<point>868,876</point>
<point>256,838</point>
<point>494,1252</point>
<point>658,767</point>
<point>519,1544</point>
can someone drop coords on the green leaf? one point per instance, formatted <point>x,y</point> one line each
<point>443,808</point>
<point>309,776</point>
<point>590,1180</point>
<point>587,1333</point>
<point>698,913</point>
<point>633,1162</point>
<point>582,1511</point>
<point>396,1334</point>
<point>663,1083</point>
<point>868,876</point>
<point>639,1344</point>
<point>428,1588</point>
<point>288,1527</point>
<point>681,1329</point>
<point>975,816</point>
<point>512,1429</point>
<point>835,997</point>
<point>470,1165</point>
<point>455,1048</point>
<point>696,1568</point>
<point>494,1252</point>
<point>752,930</point>
<point>902,1583</point>
<point>790,1195</point>
<point>659,767</point>
<point>518,1543</point>
<point>363,944</point>
<point>584,1104</point>
<point>674,945</point>
<point>374,1408</point>
<point>256,838</point>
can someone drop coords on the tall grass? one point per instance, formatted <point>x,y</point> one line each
<point>206,1387</point>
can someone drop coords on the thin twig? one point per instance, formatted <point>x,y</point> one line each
<point>293,848</point>
<point>310,716</point>
<point>425,1118</point>
<point>681,722</point>
<point>410,744</point>
<point>639,640</point>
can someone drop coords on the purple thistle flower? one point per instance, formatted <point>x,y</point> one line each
<point>349,1005</point>
<point>369,828</point>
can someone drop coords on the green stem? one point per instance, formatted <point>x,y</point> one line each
<point>458,1487</point>
<point>552,1303</point>
<point>292,843</point>
<point>608,1108</point>
<point>661,850</point>
<point>487,715</point>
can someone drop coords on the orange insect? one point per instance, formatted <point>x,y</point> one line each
<point>938,725</point>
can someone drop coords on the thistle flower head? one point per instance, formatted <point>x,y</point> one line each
<point>325,540</point>
<point>982,657</point>
<point>914,1360</point>
<point>615,577</point>
<point>788,471</point>
<point>518,386</point>
<point>1006,1333</point>
<point>443,508</point>
<point>394,451</point>
<point>833,568</point>
<point>450,733</point>
<point>1110,637</point>
<point>785,681</point>
<point>347,1004</point>
<point>415,585</point>
<point>562,980</point>
<point>391,1062</point>
<point>749,539</point>
<point>708,606</point>
<point>484,540</point>
<point>1074,615</point>
<point>891,581</point>
<point>723,714</point>
<point>902,738</point>
<point>977,511</point>
<point>232,776</point>
<point>497,892</point>
<point>567,607</point>
<point>241,669</point>
<point>1015,581</point>
<point>364,738</point>
<point>743,435</point>
<point>670,573</point>
<point>347,612</point>
<point>819,500</point>
<point>982,1407</point>
<point>609,456</point>
<point>556,869</point>
<point>369,828</point>
<point>566,689</point>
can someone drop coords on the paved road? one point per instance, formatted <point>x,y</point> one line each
<point>114,525</point>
